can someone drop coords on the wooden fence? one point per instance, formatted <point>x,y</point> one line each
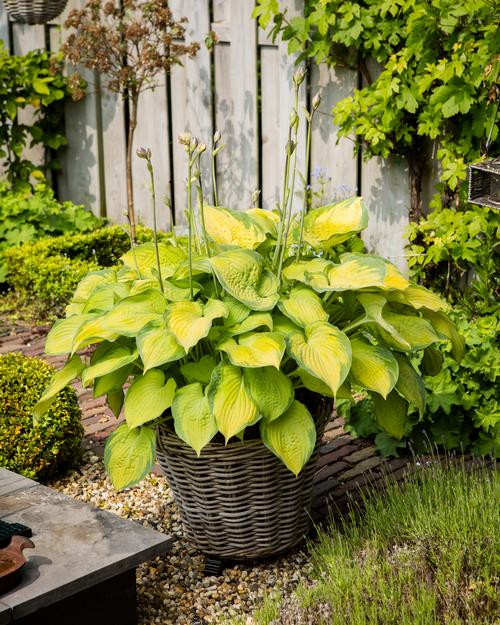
<point>242,88</point>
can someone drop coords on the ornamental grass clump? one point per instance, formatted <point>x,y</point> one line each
<point>218,339</point>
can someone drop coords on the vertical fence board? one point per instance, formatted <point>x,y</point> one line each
<point>192,92</point>
<point>329,158</point>
<point>271,151</point>
<point>4,26</point>
<point>385,189</point>
<point>114,155</point>
<point>236,107</point>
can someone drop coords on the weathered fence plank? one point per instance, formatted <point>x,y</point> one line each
<point>4,26</point>
<point>272,153</point>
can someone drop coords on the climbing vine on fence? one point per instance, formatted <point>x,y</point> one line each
<point>430,75</point>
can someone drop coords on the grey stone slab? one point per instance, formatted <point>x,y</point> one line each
<point>5,614</point>
<point>77,546</point>
<point>11,483</point>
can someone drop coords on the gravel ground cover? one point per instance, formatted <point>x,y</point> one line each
<point>173,590</point>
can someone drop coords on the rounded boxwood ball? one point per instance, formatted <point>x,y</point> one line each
<point>54,443</point>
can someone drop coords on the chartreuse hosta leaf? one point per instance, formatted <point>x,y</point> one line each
<point>316,385</point>
<point>94,330</point>
<point>442,324</point>
<point>418,297</point>
<point>115,399</point>
<point>373,366</point>
<point>302,306</point>
<point>302,269</point>
<point>87,286</point>
<point>236,311</point>
<point>143,258</point>
<point>271,390</point>
<point>417,332</point>
<point>190,322</point>
<point>267,220</point>
<point>329,225</point>
<point>148,397</point>
<point>324,351</point>
<point>236,228</point>
<point>129,455</point>
<point>391,413</point>
<point>432,361</point>
<point>61,336</point>
<point>291,436</point>
<point>200,371</point>
<point>193,420</point>
<point>130,315</point>
<point>105,296</point>
<point>230,400</point>
<point>252,322</point>
<point>59,380</point>
<point>116,357</point>
<point>374,306</point>
<point>257,349</point>
<point>410,384</point>
<point>358,271</point>
<point>242,275</point>
<point>111,381</point>
<point>157,345</point>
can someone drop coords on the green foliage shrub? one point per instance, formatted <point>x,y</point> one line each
<point>36,81</point>
<point>457,254</point>
<point>29,215</point>
<point>54,443</point>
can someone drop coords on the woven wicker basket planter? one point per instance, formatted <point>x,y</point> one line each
<point>239,501</point>
<point>34,11</point>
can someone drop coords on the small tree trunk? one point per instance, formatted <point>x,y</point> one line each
<point>130,184</point>
<point>415,175</point>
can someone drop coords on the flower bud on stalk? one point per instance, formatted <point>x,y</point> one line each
<point>184,138</point>
<point>316,101</point>
<point>298,77</point>
<point>144,153</point>
<point>217,136</point>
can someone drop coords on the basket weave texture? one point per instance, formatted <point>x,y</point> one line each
<point>34,11</point>
<point>239,501</point>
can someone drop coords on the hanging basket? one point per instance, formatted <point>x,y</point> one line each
<point>239,500</point>
<point>34,11</point>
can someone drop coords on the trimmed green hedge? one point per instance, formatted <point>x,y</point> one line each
<point>54,444</point>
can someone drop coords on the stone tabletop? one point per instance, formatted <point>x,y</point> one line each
<point>76,545</point>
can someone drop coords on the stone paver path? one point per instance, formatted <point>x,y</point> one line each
<point>345,465</point>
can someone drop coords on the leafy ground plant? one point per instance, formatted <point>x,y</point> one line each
<point>422,553</point>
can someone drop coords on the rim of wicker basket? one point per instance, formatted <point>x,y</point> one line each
<point>34,11</point>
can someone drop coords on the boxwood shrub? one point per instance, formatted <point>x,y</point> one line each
<point>54,444</point>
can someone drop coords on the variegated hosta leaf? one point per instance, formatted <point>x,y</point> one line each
<point>329,225</point>
<point>236,311</point>
<point>271,390</point>
<point>229,227</point>
<point>374,306</point>
<point>284,325</point>
<point>373,366</point>
<point>391,413</point>
<point>111,381</point>
<point>418,297</point>
<point>94,330</point>
<point>91,281</point>
<point>242,275</point>
<point>193,421</point>
<point>312,383</point>
<point>101,300</point>
<point>432,361</point>
<point>200,371</point>
<point>230,401</point>
<point>252,322</point>
<point>114,400</point>
<point>116,357</point>
<point>267,220</point>
<point>130,315</point>
<point>190,322</point>
<point>416,331</point>
<point>291,437</point>
<point>324,351</point>
<point>129,455</point>
<point>258,349</point>
<point>178,291</point>
<point>157,345</point>
<point>148,397</point>
<point>143,258</point>
<point>59,380</point>
<point>410,384</point>
<point>61,336</point>
<point>302,269</point>
<point>443,324</point>
<point>302,306</point>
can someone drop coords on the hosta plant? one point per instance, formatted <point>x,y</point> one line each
<point>217,338</point>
